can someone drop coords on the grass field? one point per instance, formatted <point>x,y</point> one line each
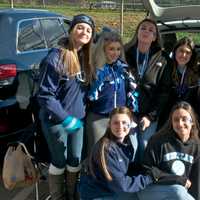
<point>104,17</point>
<point>109,18</point>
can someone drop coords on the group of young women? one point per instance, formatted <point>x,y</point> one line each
<point>110,99</point>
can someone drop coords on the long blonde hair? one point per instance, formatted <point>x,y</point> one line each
<point>105,38</point>
<point>70,59</point>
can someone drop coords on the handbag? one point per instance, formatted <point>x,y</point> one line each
<point>18,168</point>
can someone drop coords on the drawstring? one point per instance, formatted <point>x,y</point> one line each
<point>115,88</point>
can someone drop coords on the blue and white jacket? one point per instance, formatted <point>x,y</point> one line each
<point>118,158</point>
<point>112,87</point>
<point>60,95</point>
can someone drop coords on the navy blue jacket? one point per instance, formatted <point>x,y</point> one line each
<point>60,95</point>
<point>118,158</point>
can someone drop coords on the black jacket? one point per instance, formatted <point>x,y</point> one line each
<point>153,88</point>
<point>188,91</point>
<point>170,161</point>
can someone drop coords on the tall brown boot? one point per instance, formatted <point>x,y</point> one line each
<point>57,187</point>
<point>71,183</point>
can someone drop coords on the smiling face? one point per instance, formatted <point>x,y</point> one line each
<point>182,123</point>
<point>183,54</point>
<point>120,126</point>
<point>82,34</point>
<point>147,32</point>
<point>112,51</point>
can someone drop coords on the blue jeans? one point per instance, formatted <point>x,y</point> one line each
<point>164,192</point>
<point>134,140</point>
<point>57,148</point>
<point>119,196</point>
<point>144,137</point>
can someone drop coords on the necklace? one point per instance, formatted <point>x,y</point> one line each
<point>141,67</point>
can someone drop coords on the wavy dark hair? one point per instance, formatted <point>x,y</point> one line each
<point>192,76</point>
<point>103,145</point>
<point>195,131</point>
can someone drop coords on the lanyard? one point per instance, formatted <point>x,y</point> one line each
<point>183,76</point>
<point>143,66</point>
<point>181,88</point>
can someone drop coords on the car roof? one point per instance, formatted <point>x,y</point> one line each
<point>27,13</point>
<point>166,14</point>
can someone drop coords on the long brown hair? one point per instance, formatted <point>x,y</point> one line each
<point>192,76</point>
<point>155,44</point>
<point>103,145</point>
<point>195,131</point>
<point>72,65</point>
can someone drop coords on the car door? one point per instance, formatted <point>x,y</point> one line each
<point>175,21</point>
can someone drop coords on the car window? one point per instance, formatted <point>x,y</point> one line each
<point>53,30</point>
<point>194,35</point>
<point>30,36</point>
<point>66,24</point>
<point>170,39</point>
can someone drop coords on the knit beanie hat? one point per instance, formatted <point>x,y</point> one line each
<point>82,18</point>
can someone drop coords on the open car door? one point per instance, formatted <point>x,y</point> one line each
<point>174,22</point>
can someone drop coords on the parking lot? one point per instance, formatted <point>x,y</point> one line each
<point>18,83</point>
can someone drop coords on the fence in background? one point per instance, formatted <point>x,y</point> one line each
<point>102,4</point>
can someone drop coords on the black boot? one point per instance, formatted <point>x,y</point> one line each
<point>57,187</point>
<point>71,183</point>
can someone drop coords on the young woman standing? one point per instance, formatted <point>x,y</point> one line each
<point>111,88</point>
<point>65,75</point>
<point>149,64</point>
